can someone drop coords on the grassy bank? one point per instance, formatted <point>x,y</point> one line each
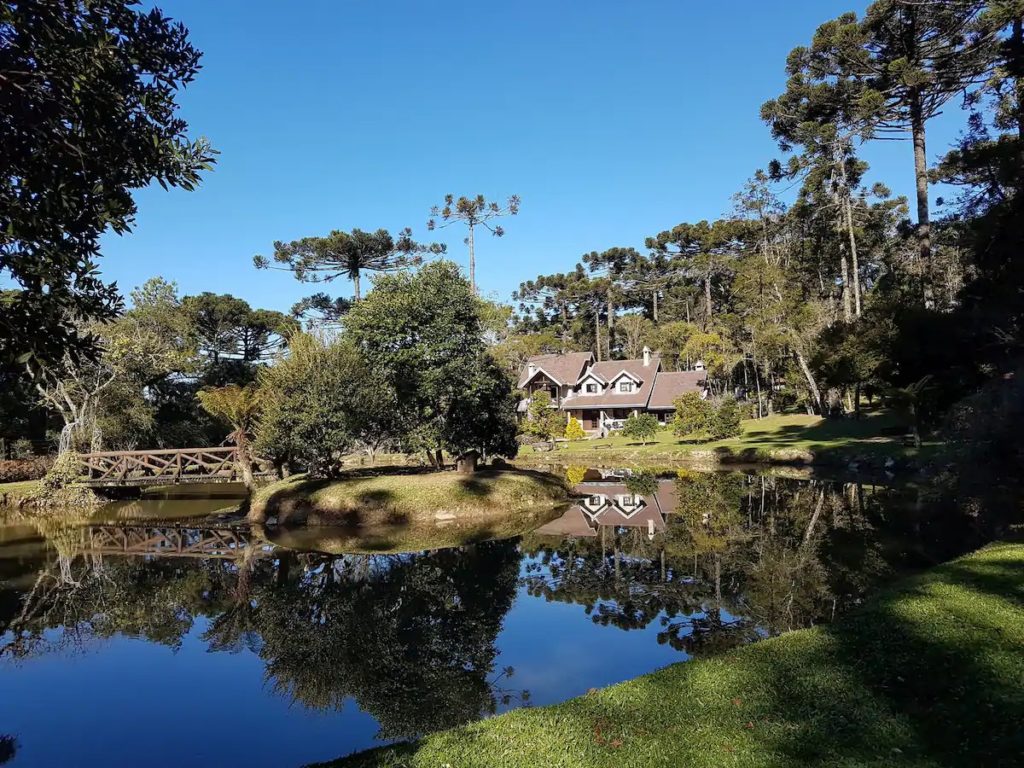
<point>928,673</point>
<point>399,496</point>
<point>15,494</point>
<point>784,439</point>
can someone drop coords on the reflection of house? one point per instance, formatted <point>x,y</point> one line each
<point>597,393</point>
<point>614,506</point>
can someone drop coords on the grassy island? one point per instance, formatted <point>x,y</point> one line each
<point>399,496</point>
<point>927,673</point>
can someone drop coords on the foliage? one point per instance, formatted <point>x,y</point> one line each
<point>543,420</point>
<point>58,488</point>
<point>89,115</point>
<point>347,254</point>
<point>642,483</point>
<point>321,401</point>
<point>726,421</point>
<point>423,333</point>
<point>575,474</point>
<point>473,212</point>
<point>641,426</point>
<point>693,415</point>
<point>574,430</point>
<point>18,470</point>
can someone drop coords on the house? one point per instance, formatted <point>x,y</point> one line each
<point>613,505</point>
<point>601,395</point>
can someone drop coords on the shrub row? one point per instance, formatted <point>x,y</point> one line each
<point>16,470</point>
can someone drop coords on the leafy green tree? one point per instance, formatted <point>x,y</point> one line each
<point>543,420</point>
<point>88,115</point>
<point>423,332</point>
<point>574,430</point>
<point>641,426</point>
<point>240,407</point>
<point>347,254</point>
<point>642,483</point>
<point>321,401</point>
<point>473,212</point>
<point>693,415</point>
<point>726,421</point>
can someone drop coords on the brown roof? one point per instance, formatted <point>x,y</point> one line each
<point>572,523</point>
<point>669,386</point>
<point>609,370</point>
<point>564,369</point>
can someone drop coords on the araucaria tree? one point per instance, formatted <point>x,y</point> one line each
<point>423,332</point>
<point>473,212</point>
<point>347,254</point>
<point>890,72</point>
<point>88,114</point>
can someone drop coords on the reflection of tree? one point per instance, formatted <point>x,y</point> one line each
<point>410,637</point>
<point>741,555</point>
<point>8,749</point>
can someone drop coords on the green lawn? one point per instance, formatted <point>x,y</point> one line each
<point>785,438</point>
<point>11,493</point>
<point>397,495</point>
<point>928,673</point>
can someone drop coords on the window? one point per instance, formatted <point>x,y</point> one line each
<point>625,386</point>
<point>591,389</point>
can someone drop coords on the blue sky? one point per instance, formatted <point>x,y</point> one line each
<point>611,120</point>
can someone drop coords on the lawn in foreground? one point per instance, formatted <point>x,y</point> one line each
<point>927,673</point>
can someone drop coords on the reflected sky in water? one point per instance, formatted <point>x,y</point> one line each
<point>211,644</point>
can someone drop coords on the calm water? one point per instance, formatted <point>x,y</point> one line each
<point>160,633</point>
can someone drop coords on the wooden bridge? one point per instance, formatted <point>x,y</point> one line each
<point>176,465</point>
<point>166,540</point>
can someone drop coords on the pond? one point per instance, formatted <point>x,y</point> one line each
<point>162,632</point>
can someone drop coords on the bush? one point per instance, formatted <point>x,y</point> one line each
<point>726,422</point>
<point>641,426</point>
<point>17,470</point>
<point>543,421</point>
<point>22,449</point>
<point>693,416</point>
<point>574,430</point>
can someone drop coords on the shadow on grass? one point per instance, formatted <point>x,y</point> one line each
<point>928,673</point>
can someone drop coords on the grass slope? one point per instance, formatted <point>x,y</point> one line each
<point>397,495</point>
<point>13,493</point>
<point>785,438</point>
<point>928,673</point>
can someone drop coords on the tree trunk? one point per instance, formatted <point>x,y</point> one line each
<point>472,261</point>
<point>611,326</point>
<point>244,463</point>
<point>565,327</point>
<point>811,383</point>
<point>924,230</point>
<point>439,458</point>
<point>355,285</point>
<point>854,261</point>
<point>707,300</point>
<point>654,302</point>
<point>845,272</point>
<point>597,334</point>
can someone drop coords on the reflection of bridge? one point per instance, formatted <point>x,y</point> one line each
<point>176,465</point>
<point>166,540</point>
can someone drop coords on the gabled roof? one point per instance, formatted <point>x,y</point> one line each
<point>573,523</point>
<point>622,373</point>
<point>670,386</point>
<point>645,374</point>
<point>562,369</point>
<point>639,519</point>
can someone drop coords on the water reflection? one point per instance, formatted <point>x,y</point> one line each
<point>640,572</point>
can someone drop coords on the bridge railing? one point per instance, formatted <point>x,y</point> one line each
<point>110,467</point>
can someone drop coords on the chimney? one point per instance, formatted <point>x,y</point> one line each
<point>531,368</point>
<point>699,365</point>
<point>647,356</point>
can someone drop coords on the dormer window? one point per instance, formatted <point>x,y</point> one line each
<point>625,386</point>
<point>591,389</point>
